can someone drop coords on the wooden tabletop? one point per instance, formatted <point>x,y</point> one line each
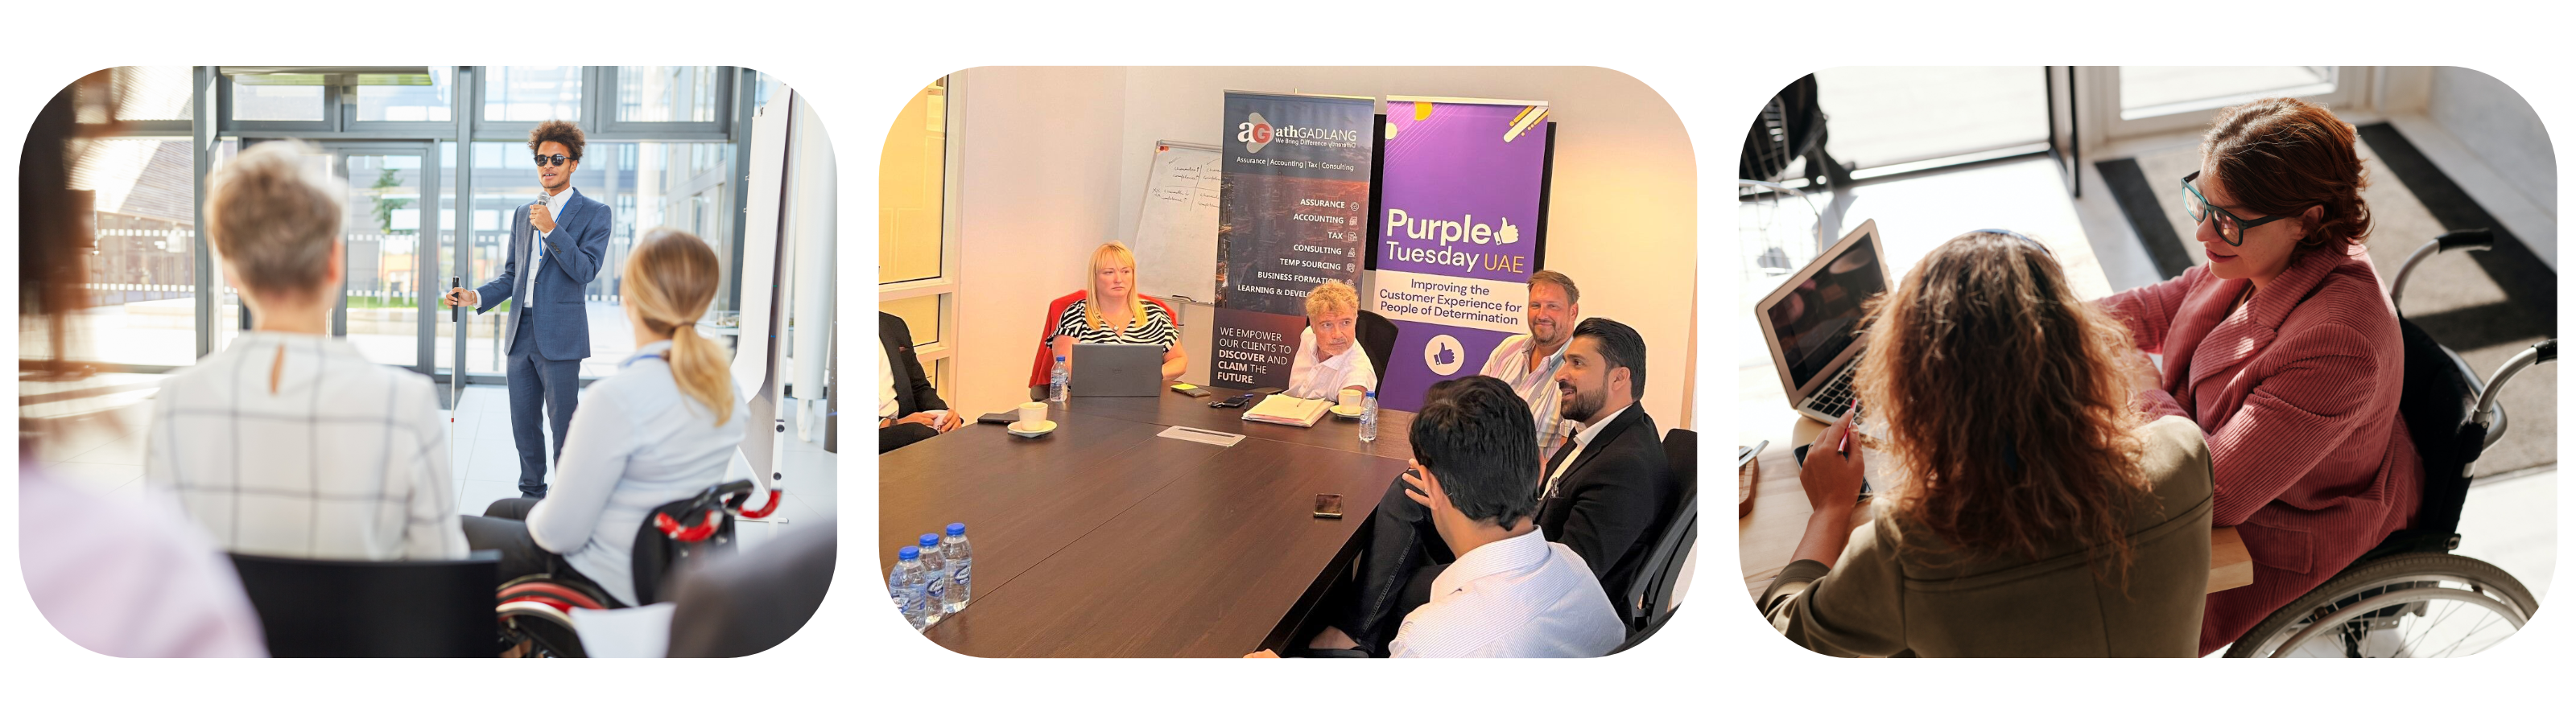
<point>1767,538</point>
<point>1103,539</point>
<point>1394,427</point>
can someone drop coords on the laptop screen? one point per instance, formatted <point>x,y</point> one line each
<point>1821,317</point>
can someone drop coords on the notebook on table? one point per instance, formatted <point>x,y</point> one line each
<point>1285,410</point>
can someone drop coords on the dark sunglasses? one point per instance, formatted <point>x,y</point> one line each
<point>2230,226</point>
<point>558,160</point>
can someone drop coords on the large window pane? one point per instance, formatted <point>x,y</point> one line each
<point>142,274</point>
<point>278,98</point>
<point>407,97</point>
<point>381,230</point>
<point>681,185</point>
<point>2147,91</point>
<point>149,93</point>
<point>1882,116</point>
<point>532,93</point>
<point>910,184</point>
<point>666,93</point>
<point>919,314</point>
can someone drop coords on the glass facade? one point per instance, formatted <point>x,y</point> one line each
<point>532,93</point>
<point>407,97</point>
<point>659,163</point>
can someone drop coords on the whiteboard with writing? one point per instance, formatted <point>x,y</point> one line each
<point>1175,237</point>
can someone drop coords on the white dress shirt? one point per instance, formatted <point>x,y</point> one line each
<point>537,251</point>
<point>128,578</point>
<point>1536,385</point>
<point>1582,439</point>
<point>1519,597</point>
<point>1315,379</point>
<point>638,442</point>
<point>345,459</point>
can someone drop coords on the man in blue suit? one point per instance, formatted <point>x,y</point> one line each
<point>555,249</point>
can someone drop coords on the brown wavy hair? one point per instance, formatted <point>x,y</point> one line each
<point>2006,400</point>
<point>2283,155</point>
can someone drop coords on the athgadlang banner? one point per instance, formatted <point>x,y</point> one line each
<point>1292,213</point>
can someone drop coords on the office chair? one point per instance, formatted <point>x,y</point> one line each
<point>332,608</point>
<point>1650,597</point>
<point>1377,338</point>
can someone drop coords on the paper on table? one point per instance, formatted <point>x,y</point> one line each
<point>1285,410</point>
<point>643,632</point>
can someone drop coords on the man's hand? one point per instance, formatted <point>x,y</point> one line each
<point>1262,654</point>
<point>463,297</point>
<point>951,421</point>
<point>1832,479</point>
<point>542,217</point>
<point>925,419</point>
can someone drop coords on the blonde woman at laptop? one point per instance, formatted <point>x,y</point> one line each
<point>1112,312</point>
<point>2034,511</point>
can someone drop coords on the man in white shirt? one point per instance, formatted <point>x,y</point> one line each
<point>1510,593</point>
<point>1528,362</point>
<point>1329,358</point>
<point>289,442</point>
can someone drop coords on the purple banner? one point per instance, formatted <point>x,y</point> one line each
<point>1457,232</point>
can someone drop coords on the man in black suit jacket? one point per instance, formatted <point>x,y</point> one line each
<point>1604,494</point>
<point>908,408</point>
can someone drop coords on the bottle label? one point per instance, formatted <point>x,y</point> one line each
<point>965,582</point>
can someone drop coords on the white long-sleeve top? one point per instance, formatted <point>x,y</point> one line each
<point>337,458</point>
<point>638,442</point>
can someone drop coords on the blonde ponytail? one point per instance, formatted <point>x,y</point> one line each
<point>670,279</point>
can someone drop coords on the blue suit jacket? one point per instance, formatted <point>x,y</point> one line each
<point>573,253</point>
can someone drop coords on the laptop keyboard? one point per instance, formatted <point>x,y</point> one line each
<point>1835,397</point>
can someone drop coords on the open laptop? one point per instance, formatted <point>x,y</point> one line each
<point>1117,370</point>
<point>1812,322</point>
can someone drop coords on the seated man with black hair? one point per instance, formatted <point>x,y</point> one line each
<point>1510,593</point>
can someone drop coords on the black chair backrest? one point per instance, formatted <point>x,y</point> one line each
<point>1652,593</point>
<point>656,554</point>
<point>2435,405</point>
<point>1377,338</point>
<point>317,608</point>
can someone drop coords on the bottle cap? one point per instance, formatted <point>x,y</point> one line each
<point>956,529</point>
<point>1372,393</point>
<point>907,553</point>
<point>929,539</point>
<point>1059,358</point>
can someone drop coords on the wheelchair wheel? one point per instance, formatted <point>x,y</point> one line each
<point>2418,605</point>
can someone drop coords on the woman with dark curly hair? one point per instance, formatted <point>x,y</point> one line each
<point>2285,349</point>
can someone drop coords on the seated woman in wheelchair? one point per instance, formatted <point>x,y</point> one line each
<point>2031,510</point>
<point>2285,350</point>
<point>662,429</point>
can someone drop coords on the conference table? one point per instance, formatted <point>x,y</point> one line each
<point>1104,538</point>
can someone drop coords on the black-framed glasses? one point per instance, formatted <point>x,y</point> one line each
<point>2230,226</point>
<point>557,158</point>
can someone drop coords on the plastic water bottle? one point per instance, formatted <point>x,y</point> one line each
<point>1368,418</point>
<point>905,584</point>
<point>934,576</point>
<point>961,566</point>
<point>1056,381</point>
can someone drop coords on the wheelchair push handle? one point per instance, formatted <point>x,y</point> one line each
<point>2486,414</point>
<point>2462,240</point>
<point>715,500</point>
<point>2467,239</point>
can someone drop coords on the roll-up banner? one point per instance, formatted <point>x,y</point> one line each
<point>1459,227</point>
<point>1292,213</point>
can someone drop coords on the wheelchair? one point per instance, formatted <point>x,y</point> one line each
<point>535,611</point>
<point>2410,596</point>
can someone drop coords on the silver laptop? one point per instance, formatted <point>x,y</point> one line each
<point>1812,322</point>
<point>1117,370</point>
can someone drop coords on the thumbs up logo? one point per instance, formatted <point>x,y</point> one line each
<point>1509,234</point>
<point>1443,355</point>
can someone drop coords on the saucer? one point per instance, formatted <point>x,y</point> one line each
<point>1041,429</point>
<point>1349,411</point>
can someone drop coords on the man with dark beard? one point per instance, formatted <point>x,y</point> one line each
<point>1602,493</point>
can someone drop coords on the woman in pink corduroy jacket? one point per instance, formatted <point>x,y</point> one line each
<point>2284,348</point>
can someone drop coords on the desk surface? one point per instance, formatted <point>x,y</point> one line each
<point>1394,427</point>
<point>1103,539</point>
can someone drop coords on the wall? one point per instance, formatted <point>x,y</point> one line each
<point>2501,129</point>
<point>1038,168</point>
<point>1623,206</point>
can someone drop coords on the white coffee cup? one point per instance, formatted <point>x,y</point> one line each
<point>1350,397</point>
<point>1032,415</point>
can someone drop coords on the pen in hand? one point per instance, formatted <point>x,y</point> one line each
<point>1842,441</point>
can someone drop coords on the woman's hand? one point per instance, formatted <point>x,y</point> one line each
<point>1832,472</point>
